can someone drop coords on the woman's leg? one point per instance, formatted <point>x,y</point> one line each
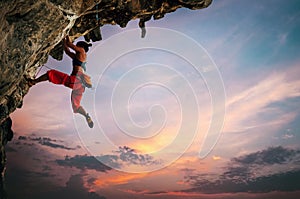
<point>76,96</point>
<point>54,76</point>
<point>89,120</point>
<point>81,111</point>
<point>42,78</point>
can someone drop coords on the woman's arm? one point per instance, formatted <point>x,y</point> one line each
<point>67,50</point>
<point>72,46</point>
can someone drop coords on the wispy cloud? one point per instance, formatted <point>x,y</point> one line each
<point>250,105</point>
<point>282,38</point>
<point>46,141</point>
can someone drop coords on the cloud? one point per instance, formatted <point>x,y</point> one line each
<point>250,173</point>
<point>130,156</point>
<point>253,103</point>
<point>286,181</point>
<point>74,188</point>
<point>287,136</point>
<point>127,156</point>
<point>117,179</point>
<point>270,156</point>
<point>83,162</point>
<point>216,158</point>
<point>124,156</point>
<point>32,172</point>
<point>282,38</point>
<point>46,141</point>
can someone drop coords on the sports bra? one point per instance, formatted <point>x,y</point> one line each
<point>76,62</point>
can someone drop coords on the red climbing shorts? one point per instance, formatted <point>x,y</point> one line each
<point>71,81</point>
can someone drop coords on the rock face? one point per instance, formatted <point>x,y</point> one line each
<point>31,30</point>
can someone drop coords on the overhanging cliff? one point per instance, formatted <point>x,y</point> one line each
<point>32,30</point>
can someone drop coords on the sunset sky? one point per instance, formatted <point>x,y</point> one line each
<point>157,103</point>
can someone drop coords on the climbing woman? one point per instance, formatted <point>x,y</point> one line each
<point>77,81</point>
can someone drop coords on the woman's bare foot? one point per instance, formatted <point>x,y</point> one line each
<point>31,82</point>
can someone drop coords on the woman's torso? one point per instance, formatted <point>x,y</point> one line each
<point>79,63</point>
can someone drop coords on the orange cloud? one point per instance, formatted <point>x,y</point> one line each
<point>135,191</point>
<point>216,158</point>
<point>117,179</point>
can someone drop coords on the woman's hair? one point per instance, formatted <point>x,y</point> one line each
<point>84,45</point>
